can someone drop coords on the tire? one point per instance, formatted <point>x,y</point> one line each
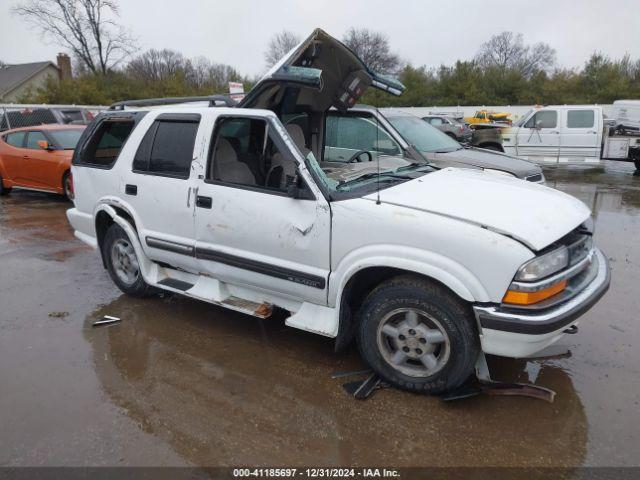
<point>4,190</point>
<point>443,348</point>
<point>122,263</point>
<point>67,186</point>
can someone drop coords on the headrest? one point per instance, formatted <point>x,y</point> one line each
<point>296,134</point>
<point>225,152</point>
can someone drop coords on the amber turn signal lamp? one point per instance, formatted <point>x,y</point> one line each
<point>528,298</point>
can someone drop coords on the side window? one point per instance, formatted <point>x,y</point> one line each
<point>358,133</point>
<point>543,119</point>
<point>436,121</point>
<point>245,151</point>
<point>331,130</point>
<point>580,118</point>
<point>167,148</point>
<point>33,138</point>
<point>103,148</point>
<point>15,139</point>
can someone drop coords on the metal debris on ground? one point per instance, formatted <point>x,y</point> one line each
<point>362,390</point>
<point>482,383</point>
<point>106,320</point>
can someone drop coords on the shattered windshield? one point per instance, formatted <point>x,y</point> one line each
<point>423,136</point>
<point>365,177</point>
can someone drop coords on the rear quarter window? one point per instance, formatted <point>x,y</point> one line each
<point>15,139</point>
<point>100,146</point>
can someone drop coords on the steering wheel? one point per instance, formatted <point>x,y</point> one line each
<point>355,158</point>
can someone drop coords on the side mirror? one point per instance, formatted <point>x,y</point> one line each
<point>538,125</point>
<point>298,189</point>
<point>44,145</point>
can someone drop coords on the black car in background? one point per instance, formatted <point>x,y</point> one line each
<point>28,117</point>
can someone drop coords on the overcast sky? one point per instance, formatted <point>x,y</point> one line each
<point>423,32</point>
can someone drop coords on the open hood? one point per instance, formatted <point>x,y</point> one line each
<point>319,73</point>
<point>535,215</point>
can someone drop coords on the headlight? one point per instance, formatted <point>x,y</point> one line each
<point>544,265</point>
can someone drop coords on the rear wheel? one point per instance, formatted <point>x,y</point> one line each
<point>3,190</point>
<point>122,263</point>
<point>67,185</point>
<point>417,335</point>
<point>637,164</point>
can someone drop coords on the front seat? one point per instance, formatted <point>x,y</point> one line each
<point>282,171</point>
<point>228,168</point>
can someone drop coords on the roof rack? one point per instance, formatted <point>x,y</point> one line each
<point>214,101</point>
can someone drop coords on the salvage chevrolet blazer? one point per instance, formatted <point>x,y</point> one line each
<point>426,268</point>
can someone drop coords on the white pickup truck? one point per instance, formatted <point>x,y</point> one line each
<point>427,268</point>
<point>566,134</point>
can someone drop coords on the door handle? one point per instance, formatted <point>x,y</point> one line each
<point>25,156</point>
<point>203,202</point>
<point>591,131</point>
<point>131,189</point>
<point>553,131</point>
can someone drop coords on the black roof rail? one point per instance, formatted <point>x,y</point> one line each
<point>148,102</point>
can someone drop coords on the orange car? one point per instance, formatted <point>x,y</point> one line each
<point>38,158</point>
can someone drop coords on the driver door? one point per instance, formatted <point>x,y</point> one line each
<point>539,137</point>
<point>250,230</point>
<point>348,134</point>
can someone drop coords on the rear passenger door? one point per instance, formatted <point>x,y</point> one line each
<point>159,187</point>
<point>580,141</point>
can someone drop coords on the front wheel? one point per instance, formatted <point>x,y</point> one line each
<point>122,263</point>
<point>417,335</point>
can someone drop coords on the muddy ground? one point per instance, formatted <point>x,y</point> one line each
<point>179,382</point>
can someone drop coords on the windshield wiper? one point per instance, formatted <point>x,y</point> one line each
<point>414,165</point>
<point>387,175</point>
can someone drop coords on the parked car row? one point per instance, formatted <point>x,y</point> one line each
<point>38,158</point>
<point>298,200</point>
<point>12,117</point>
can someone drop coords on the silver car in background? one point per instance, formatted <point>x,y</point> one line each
<point>396,133</point>
<point>456,128</point>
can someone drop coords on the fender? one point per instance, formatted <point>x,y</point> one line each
<point>148,269</point>
<point>445,270</point>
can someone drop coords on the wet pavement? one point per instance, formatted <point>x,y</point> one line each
<point>179,382</point>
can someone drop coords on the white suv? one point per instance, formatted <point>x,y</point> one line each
<point>427,268</point>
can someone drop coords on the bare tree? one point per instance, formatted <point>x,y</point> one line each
<point>507,50</point>
<point>157,65</point>
<point>88,28</point>
<point>374,50</point>
<point>279,45</point>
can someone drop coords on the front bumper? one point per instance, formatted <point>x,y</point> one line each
<point>512,333</point>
